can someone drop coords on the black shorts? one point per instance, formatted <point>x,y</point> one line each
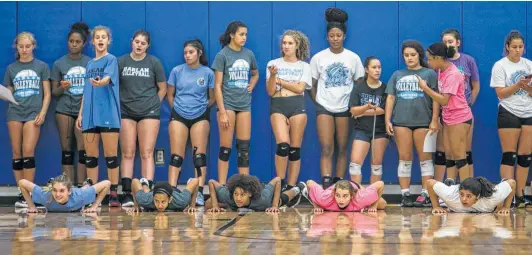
<point>412,128</point>
<point>366,136</point>
<point>189,123</point>
<point>138,119</point>
<point>506,119</point>
<point>66,114</point>
<point>98,130</point>
<point>288,106</point>
<point>321,110</point>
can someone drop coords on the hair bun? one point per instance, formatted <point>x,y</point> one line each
<point>335,15</point>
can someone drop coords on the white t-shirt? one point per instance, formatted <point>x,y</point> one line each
<point>335,74</point>
<point>506,73</point>
<point>291,72</point>
<point>451,196</point>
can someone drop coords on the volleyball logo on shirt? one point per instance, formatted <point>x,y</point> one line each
<point>200,81</point>
<point>515,78</point>
<point>336,75</point>
<point>238,74</point>
<point>408,88</point>
<point>365,98</point>
<point>76,77</point>
<point>26,83</point>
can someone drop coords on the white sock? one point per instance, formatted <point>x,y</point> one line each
<point>403,191</point>
<point>424,193</point>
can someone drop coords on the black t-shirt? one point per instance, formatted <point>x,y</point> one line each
<point>360,95</point>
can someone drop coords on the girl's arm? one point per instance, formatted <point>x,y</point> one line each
<point>316,208</point>
<point>162,90</point>
<point>214,199</point>
<point>212,99</point>
<point>254,79</point>
<point>25,188</point>
<point>314,90</point>
<point>436,209</point>
<point>101,189</point>
<point>57,89</point>
<point>218,78</point>
<point>170,96</point>
<point>192,187</point>
<point>296,87</point>
<point>504,208</point>
<point>276,182</point>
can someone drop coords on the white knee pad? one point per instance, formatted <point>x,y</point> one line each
<point>427,167</point>
<point>404,169</point>
<point>376,170</point>
<point>355,169</point>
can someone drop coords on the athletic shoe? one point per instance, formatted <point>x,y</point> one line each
<point>521,202</point>
<point>297,199</point>
<point>422,201</point>
<point>145,182</point>
<point>113,199</point>
<point>88,182</point>
<point>21,202</point>
<point>326,181</point>
<point>449,182</point>
<point>127,200</point>
<point>407,200</point>
<point>200,200</point>
<point>304,191</point>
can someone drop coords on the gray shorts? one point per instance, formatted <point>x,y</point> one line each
<point>180,199</point>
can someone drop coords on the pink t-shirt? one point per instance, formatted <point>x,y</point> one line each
<point>451,81</point>
<point>325,198</point>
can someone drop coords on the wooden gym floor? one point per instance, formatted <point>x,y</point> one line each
<point>295,231</point>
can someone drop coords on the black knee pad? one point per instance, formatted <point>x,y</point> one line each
<point>524,160</point>
<point>176,160</point>
<point>224,154</point>
<point>294,154</point>
<point>17,164</point>
<point>439,158</point>
<point>82,156</point>
<point>91,162</point>
<point>112,162</point>
<point>28,163</point>
<point>126,184</point>
<point>469,157</point>
<point>67,158</point>
<point>200,160</point>
<point>508,158</point>
<point>242,147</point>
<point>460,163</point>
<point>449,163</point>
<point>284,199</point>
<point>282,149</point>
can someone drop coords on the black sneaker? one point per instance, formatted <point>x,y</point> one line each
<point>422,201</point>
<point>449,182</point>
<point>127,200</point>
<point>21,202</point>
<point>521,202</point>
<point>326,181</point>
<point>88,182</point>
<point>302,188</point>
<point>407,200</point>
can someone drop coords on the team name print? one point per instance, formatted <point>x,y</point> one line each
<point>138,72</point>
<point>408,88</point>
<point>26,83</point>
<point>76,77</point>
<point>238,74</point>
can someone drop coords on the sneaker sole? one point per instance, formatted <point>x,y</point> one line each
<point>128,204</point>
<point>21,205</point>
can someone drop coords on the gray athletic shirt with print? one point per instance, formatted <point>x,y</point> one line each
<point>236,67</point>
<point>412,107</point>
<point>26,80</point>
<point>72,70</point>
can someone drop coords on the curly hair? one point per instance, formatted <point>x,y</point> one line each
<point>302,43</point>
<point>248,183</point>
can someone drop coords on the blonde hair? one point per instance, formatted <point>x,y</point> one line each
<point>20,36</point>
<point>345,185</point>
<point>59,179</point>
<point>104,28</point>
<point>302,43</point>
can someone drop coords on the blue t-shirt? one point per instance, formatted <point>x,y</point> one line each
<point>191,89</point>
<point>101,105</point>
<point>77,199</point>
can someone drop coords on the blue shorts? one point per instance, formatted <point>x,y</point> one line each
<point>77,199</point>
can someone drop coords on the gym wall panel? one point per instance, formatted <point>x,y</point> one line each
<point>51,33</point>
<point>258,18</point>
<point>8,21</point>
<point>424,22</point>
<point>379,39</point>
<point>170,24</point>
<point>308,17</point>
<point>485,28</point>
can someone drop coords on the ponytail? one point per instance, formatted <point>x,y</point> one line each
<point>231,29</point>
<point>441,50</point>
<point>479,186</point>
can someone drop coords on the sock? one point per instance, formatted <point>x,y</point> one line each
<point>403,191</point>
<point>200,190</point>
<point>114,187</point>
<point>296,189</point>
<point>424,193</point>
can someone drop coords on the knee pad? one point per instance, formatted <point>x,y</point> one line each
<point>355,169</point>
<point>284,199</point>
<point>427,167</point>
<point>469,157</point>
<point>82,156</point>
<point>439,158</point>
<point>524,160</point>
<point>176,160</point>
<point>242,147</point>
<point>460,163</point>
<point>508,158</point>
<point>404,169</point>
<point>67,158</point>
<point>28,163</point>
<point>294,154</point>
<point>112,162</point>
<point>17,164</point>
<point>282,149</point>
<point>449,163</point>
<point>91,162</point>
<point>200,160</point>
<point>376,170</point>
<point>224,154</point>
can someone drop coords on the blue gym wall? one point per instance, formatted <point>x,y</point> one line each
<point>374,28</point>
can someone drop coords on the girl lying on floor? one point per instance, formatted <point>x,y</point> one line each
<point>346,196</point>
<point>163,196</point>
<point>245,191</point>
<point>60,196</point>
<point>472,195</point>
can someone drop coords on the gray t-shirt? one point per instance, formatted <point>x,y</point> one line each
<point>412,107</point>
<point>259,204</point>
<point>235,66</point>
<point>72,70</point>
<point>138,85</point>
<point>26,80</point>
